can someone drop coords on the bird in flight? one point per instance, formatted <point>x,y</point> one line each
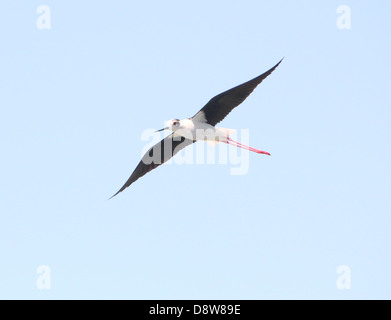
<point>200,127</point>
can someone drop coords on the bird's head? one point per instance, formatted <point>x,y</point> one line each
<point>172,125</point>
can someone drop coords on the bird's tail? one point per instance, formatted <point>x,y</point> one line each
<point>221,135</point>
<point>224,133</point>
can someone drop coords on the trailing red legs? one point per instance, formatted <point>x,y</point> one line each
<point>238,144</point>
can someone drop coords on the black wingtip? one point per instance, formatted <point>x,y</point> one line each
<point>115,194</point>
<point>112,197</point>
<point>278,63</point>
<point>273,68</point>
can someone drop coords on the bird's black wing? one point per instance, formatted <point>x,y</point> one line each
<point>218,107</point>
<point>157,155</point>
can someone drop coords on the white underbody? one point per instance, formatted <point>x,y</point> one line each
<point>199,130</point>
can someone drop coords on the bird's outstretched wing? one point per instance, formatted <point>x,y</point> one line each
<point>219,106</point>
<point>157,155</point>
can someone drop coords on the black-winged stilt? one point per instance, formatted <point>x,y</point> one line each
<point>200,127</point>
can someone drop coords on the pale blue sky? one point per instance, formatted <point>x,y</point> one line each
<point>75,100</point>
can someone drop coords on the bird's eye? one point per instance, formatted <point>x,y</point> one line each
<point>175,123</point>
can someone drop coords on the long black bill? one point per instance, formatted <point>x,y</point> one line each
<point>162,129</point>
